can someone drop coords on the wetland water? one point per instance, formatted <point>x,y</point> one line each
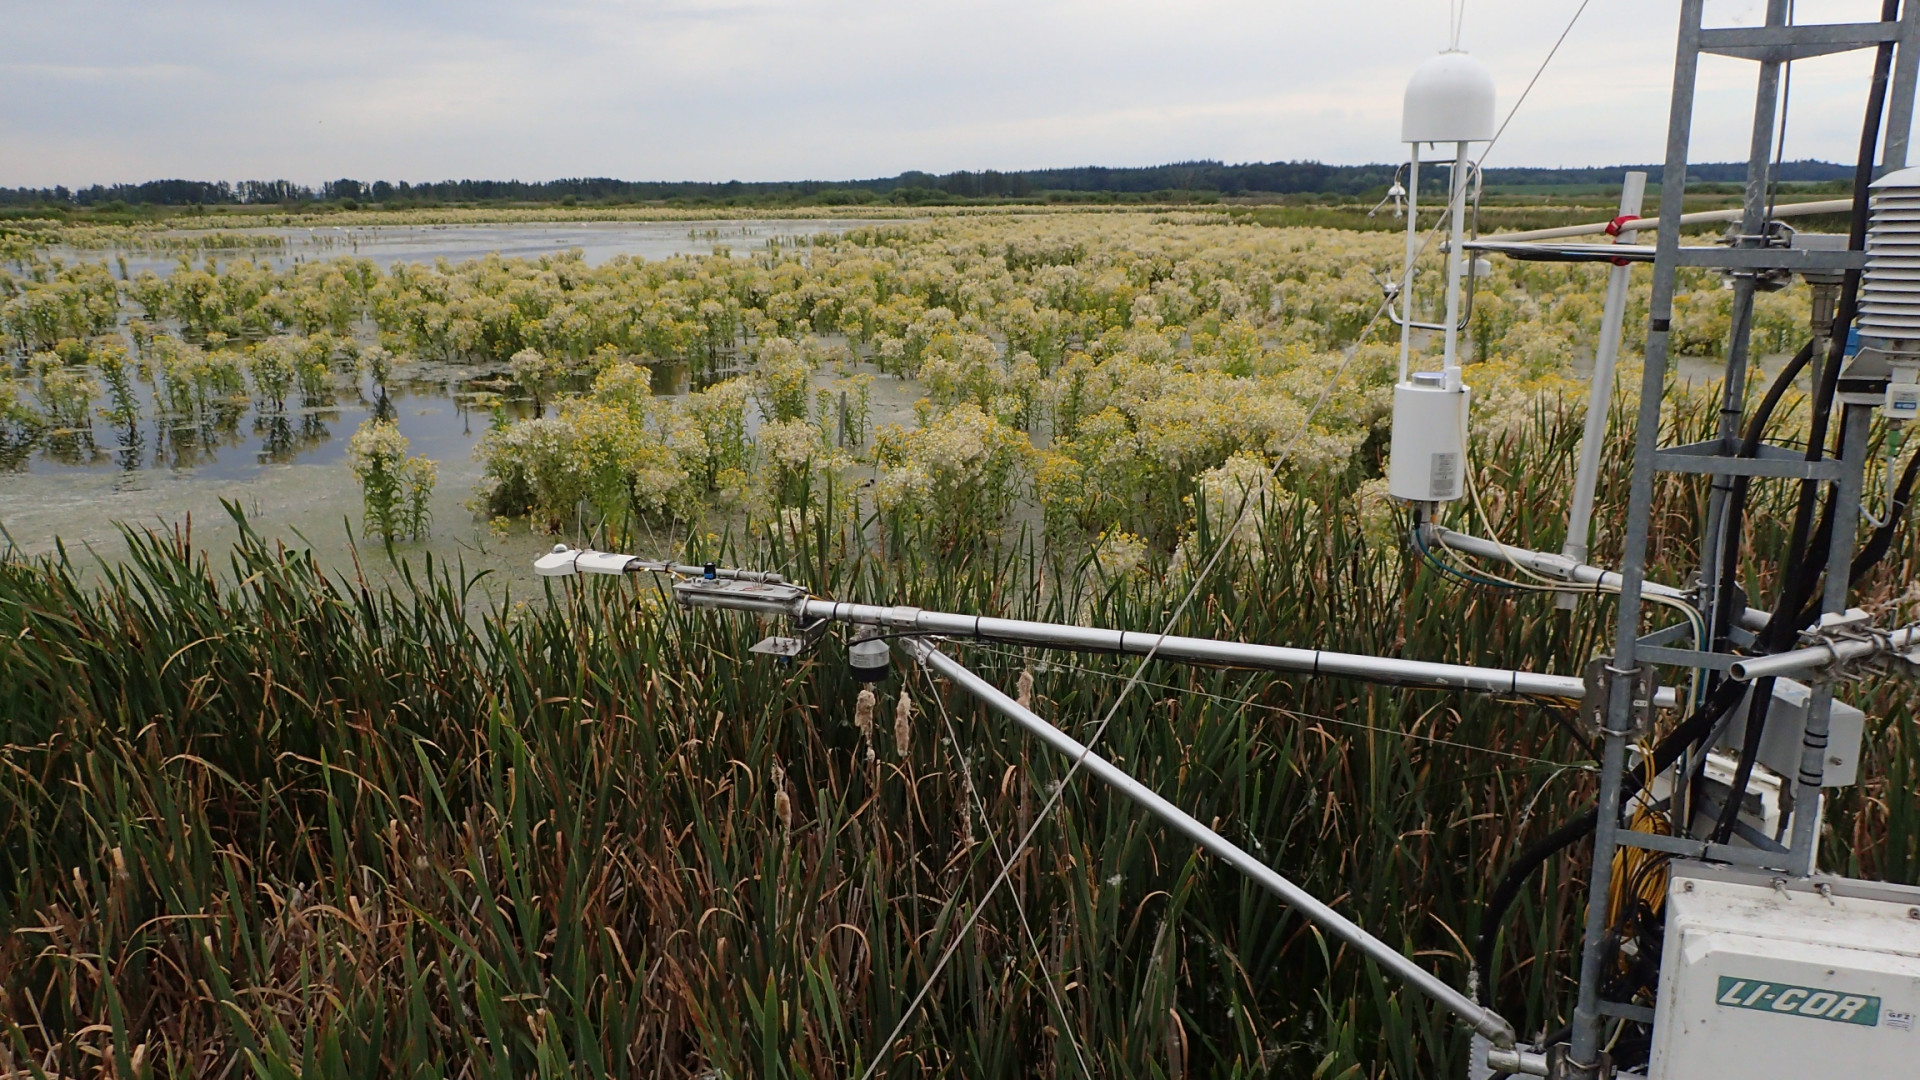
<point>288,471</point>
<point>386,245</point>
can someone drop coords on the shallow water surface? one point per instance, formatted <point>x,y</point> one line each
<point>598,241</point>
<point>288,473</point>
<point>287,469</point>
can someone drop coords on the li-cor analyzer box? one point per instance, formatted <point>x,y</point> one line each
<point>1765,975</point>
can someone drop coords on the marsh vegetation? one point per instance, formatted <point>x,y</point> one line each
<point>262,813</point>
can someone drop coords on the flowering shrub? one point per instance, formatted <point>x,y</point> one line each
<point>273,366</point>
<point>54,300</point>
<point>66,394</point>
<point>534,374</point>
<point>19,422</point>
<point>843,410</point>
<point>780,381</point>
<point>1235,497</point>
<point>396,490</point>
<point>1120,555</point>
<point>958,475</point>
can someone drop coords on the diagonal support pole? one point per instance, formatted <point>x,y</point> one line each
<point>1482,1019</point>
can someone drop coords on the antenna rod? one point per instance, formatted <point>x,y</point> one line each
<point>1456,210</point>
<point>1413,252</point>
<point>1481,1019</point>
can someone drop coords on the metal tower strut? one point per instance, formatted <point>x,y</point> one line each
<point>1771,46</point>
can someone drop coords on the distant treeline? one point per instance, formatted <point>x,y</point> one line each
<point>1210,178</point>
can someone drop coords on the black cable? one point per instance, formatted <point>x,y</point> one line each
<point>1691,730</point>
<point>1737,498</point>
<point>1761,703</point>
<point>1803,564</point>
<point>1801,567</point>
<point>1882,539</point>
<point>1877,545</point>
<point>1508,891</point>
<point>1795,584</point>
<point>1743,772</point>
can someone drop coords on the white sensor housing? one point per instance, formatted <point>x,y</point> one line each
<point>564,561</point>
<point>1890,288</point>
<point>1448,100</point>
<point>1429,458</point>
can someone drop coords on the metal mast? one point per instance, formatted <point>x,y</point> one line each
<point>1754,252</point>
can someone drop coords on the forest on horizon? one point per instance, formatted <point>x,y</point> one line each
<point>1183,181</point>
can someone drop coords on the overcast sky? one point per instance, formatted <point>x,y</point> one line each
<point>129,90</point>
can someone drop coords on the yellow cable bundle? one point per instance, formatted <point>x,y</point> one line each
<point>1639,874</point>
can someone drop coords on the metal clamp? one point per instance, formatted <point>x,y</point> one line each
<point>788,647</point>
<point>1600,678</point>
<point>1561,1066</point>
<point>1854,626</point>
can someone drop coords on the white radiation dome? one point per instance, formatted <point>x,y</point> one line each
<point>1449,99</point>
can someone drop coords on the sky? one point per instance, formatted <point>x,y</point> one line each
<point>106,91</point>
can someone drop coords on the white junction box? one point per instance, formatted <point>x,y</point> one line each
<point>1802,978</point>
<point>1786,727</point>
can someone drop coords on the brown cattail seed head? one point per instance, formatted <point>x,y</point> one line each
<point>902,732</point>
<point>863,711</point>
<point>1024,689</point>
<point>782,802</point>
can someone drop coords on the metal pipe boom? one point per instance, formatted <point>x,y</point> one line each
<point>1814,657</point>
<point>1376,669</point>
<point>789,600</point>
<point>1565,568</point>
<point>1704,217</point>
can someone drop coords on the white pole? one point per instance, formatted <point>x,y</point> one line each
<point>1456,209</point>
<point>1413,250</point>
<point>1600,396</point>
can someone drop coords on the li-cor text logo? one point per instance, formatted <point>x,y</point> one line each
<point>1808,1001</point>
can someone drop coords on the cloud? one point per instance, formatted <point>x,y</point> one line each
<point>112,90</point>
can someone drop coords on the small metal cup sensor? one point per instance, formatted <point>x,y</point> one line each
<point>868,656</point>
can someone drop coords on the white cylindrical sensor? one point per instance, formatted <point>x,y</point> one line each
<point>1428,460</point>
